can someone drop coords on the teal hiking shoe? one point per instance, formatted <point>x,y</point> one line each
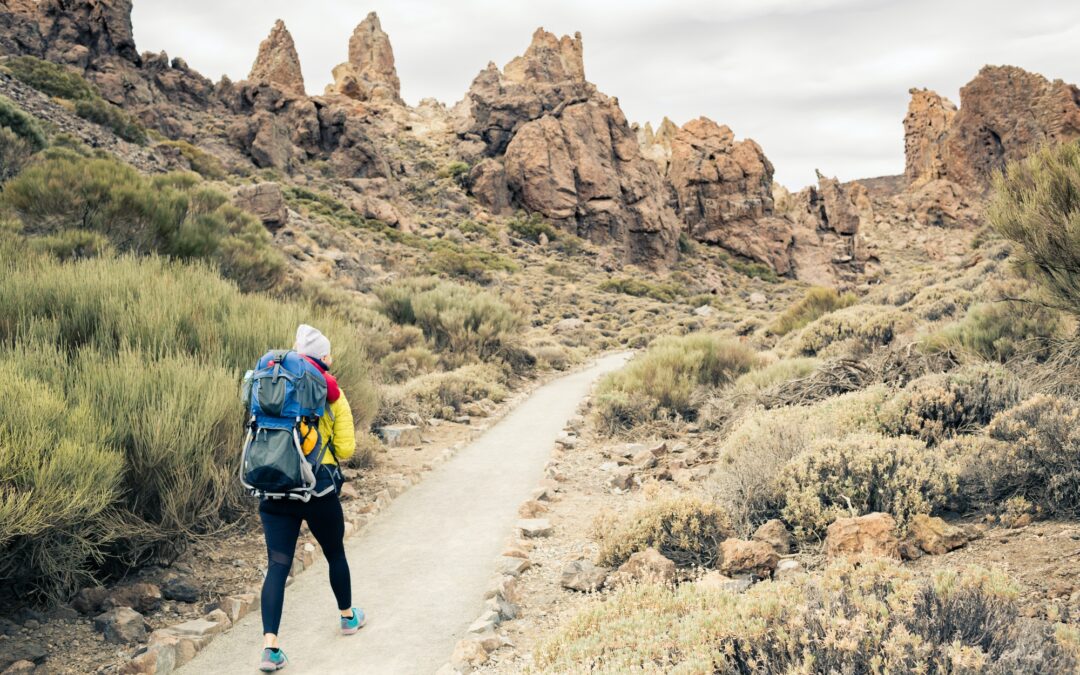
<point>272,660</point>
<point>351,625</point>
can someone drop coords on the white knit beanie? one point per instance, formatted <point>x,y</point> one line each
<point>311,342</point>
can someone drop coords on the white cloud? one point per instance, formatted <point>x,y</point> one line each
<point>818,83</point>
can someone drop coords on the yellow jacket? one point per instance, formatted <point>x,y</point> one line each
<point>335,426</point>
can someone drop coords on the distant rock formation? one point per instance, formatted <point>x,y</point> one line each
<point>567,151</point>
<point>1005,114</point>
<point>82,32</point>
<point>278,62</point>
<point>722,190</point>
<point>370,73</point>
<point>926,126</point>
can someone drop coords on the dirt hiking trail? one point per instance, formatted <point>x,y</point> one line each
<point>420,569</point>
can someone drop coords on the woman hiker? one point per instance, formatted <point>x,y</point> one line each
<point>281,518</point>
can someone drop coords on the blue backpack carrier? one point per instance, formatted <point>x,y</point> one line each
<point>285,396</point>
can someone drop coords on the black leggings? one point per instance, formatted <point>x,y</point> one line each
<point>281,520</point>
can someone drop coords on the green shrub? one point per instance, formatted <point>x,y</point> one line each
<point>51,78</point>
<point>15,154</point>
<point>752,389</point>
<point>460,321</point>
<point>1000,331</point>
<point>444,394</point>
<point>531,226</point>
<point>170,214</point>
<point>686,530</point>
<point>937,406</point>
<point>470,263</point>
<point>202,162</point>
<point>456,171</point>
<point>859,474</point>
<point>643,288</point>
<point>763,442</point>
<point>405,364</point>
<point>58,484</point>
<point>1030,451</point>
<point>73,244</point>
<point>866,325</point>
<point>22,125</point>
<point>64,83</point>
<point>872,618</point>
<point>1036,204</point>
<point>671,379</point>
<point>100,111</point>
<point>120,441</point>
<point>817,302</point>
<point>940,301</point>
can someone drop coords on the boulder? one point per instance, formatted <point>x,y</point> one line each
<point>400,435</point>
<point>181,588</point>
<point>621,478</point>
<point>158,659</point>
<point>718,581</point>
<point>370,74</point>
<point>121,625</point>
<point>21,651</point>
<point>487,182</point>
<point>775,534</point>
<point>747,557</point>
<point>19,668</point>
<point>871,535</point>
<point>934,536</point>
<point>278,63</point>
<point>141,597</point>
<point>266,202</point>
<point>648,566</point>
<point>89,600</point>
<point>534,527</point>
<point>788,568</point>
<point>583,575</point>
<point>468,655</point>
<point>511,566</point>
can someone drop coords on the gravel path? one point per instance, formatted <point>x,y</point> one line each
<point>420,569</point>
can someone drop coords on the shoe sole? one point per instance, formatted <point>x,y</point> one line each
<point>354,631</point>
<point>273,667</point>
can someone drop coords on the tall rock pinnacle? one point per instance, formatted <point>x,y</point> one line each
<point>278,63</point>
<point>369,74</point>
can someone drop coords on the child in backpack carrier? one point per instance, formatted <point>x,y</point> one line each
<point>323,439</point>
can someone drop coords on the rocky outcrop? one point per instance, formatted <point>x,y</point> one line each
<point>926,125</point>
<point>278,63</point>
<point>871,535</point>
<point>19,30</point>
<point>567,151</point>
<point>656,146</point>
<point>84,32</point>
<point>370,73</point>
<point>1005,114</point>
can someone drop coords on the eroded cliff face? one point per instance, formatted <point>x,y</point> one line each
<point>1005,114</point>
<point>565,151</point>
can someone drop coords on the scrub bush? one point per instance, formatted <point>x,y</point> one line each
<point>867,326</point>
<point>671,379</point>
<point>938,406</point>
<point>686,530</point>
<point>876,617</point>
<point>860,474</point>
<point>817,302</point>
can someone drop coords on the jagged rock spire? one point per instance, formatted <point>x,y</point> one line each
<point>370,73</point>
<point>277,62</point>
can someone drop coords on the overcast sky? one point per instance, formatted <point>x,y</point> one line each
<point>818,83</point>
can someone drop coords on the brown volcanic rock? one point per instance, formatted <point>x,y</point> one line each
<point>370,73</point>
<point>81,32</point>
<point>498,104</point>
<point>568,152</point>
<point>723,190</point>
<point>19,30</point>
<point>1006,113</point>
<point>926,125</point>
<point>278,62</point>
